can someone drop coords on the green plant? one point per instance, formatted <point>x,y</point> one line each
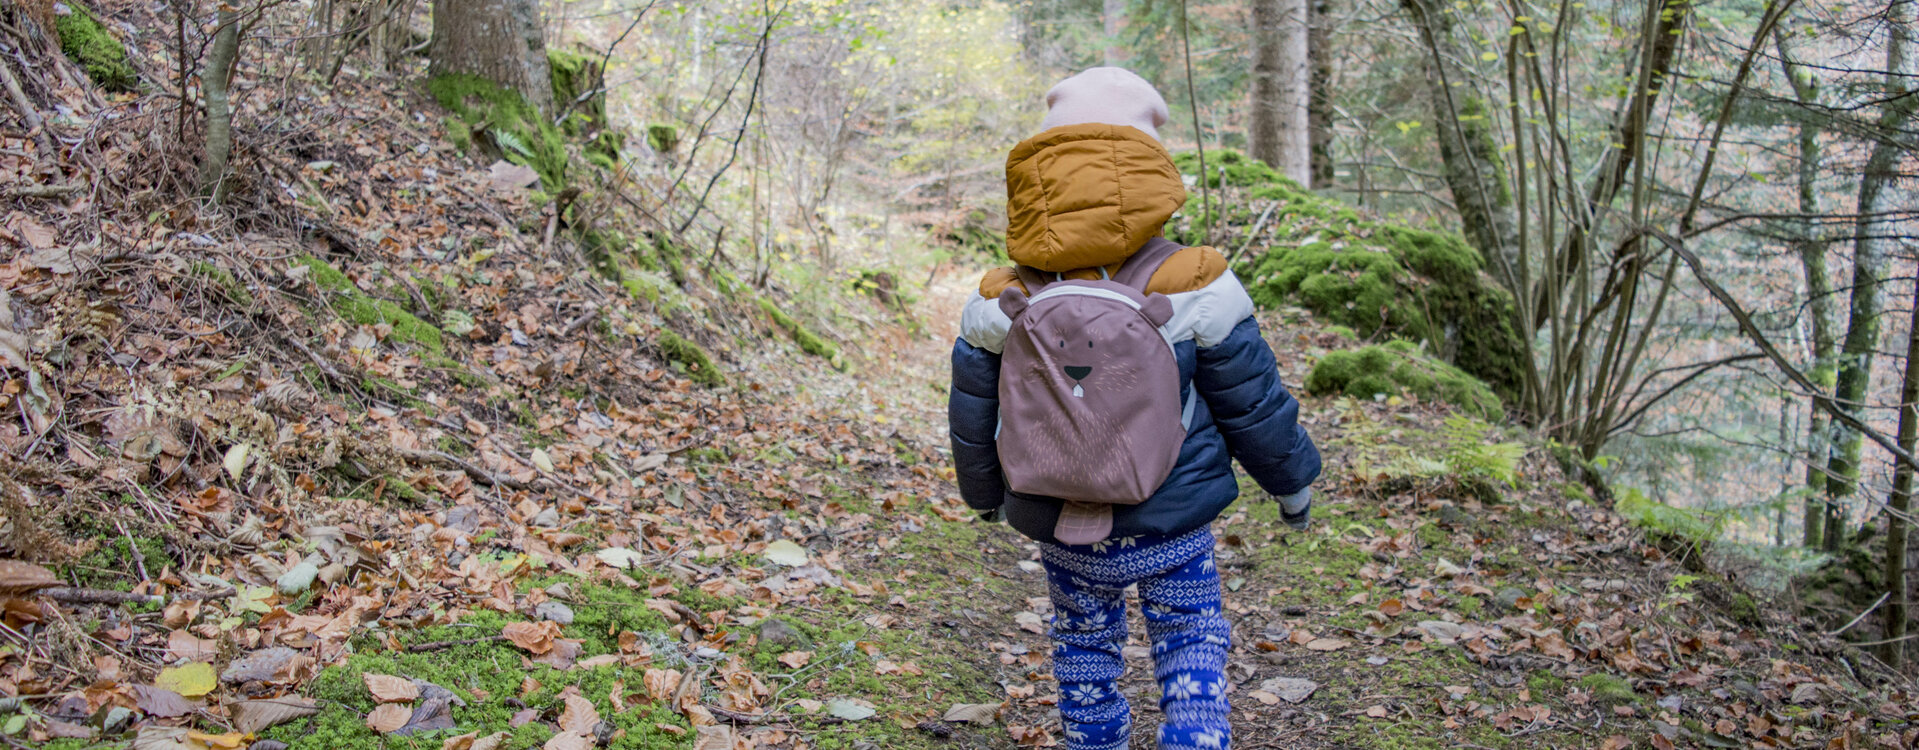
<point>1470,451</point>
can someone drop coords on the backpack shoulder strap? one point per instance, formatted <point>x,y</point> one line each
<point>1139,269</point>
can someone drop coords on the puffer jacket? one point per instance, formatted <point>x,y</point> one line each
<point>1081,198</point>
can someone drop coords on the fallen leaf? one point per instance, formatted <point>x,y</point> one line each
<point>235,461</point>
<point>535,637</point>
<point>568,741</point>
<point>1377,712</point>
<point>227,741</point>
<point>579,717</point>
<point>620,557</point>
<point>785,552</point>
<point>388,717</point>
<point>973,713</point>
<point>1327,644</point>
<point>507,176</point>
<point>715,737</point>
<point>387,688</point>
<point>257,715</point>
<point>851,709</point>
<point>473,741</point>
<point>186,646</point>
<point>1290,689</point>
<point>542,460</point>
<point>796,659</point>
<point>20,577</point>
<point>190,680</point>
<point>1030,622</point>
<point>160,703</point>
<point>164,738</point>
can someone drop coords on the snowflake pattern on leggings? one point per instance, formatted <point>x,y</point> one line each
<point>1179,594</point>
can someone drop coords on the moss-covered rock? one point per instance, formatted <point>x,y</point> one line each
<point>356,307</point>
<point>699,365</point>
<point>88,43</point>
<point>1400,366</point>
<point>662,137</point>
<point>1369,275</point>
<point>524,137</point>
<point>579,84</point>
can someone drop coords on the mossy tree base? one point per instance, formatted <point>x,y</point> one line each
<point>356,307</point>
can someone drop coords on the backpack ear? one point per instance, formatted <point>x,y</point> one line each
<point>1012,301</point>
<point>1158,308</point>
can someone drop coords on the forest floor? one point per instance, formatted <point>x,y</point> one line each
<point>377,459</point>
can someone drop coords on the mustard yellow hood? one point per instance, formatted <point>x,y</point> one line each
<point>1079,196</point>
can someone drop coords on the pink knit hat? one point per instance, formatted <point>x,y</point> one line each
<point>1115,96</point>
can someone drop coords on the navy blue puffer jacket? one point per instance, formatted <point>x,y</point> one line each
<point>1241,411</point>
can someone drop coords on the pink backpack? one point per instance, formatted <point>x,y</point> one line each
<point>1089,392</point>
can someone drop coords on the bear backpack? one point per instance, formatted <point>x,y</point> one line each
<point>1089,401</point>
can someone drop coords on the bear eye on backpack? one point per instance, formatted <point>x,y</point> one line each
<point>1090,410</point>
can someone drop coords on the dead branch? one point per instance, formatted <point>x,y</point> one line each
<point>73,595</point>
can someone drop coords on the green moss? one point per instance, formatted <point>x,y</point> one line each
<point>1370,275</point>
<point>1544,683</point>
<point>699,366</point>
<point>809,343</point>
<point>1696,526</point>
<point>110,564</point>
<point>525,137</point>
<point>1399,365</point>
<point>458,133</point>
<point>1608,690</point>
<point>88,43</point>
<point>356,307</point>
<point>230,287</point>
<point>662,137</point>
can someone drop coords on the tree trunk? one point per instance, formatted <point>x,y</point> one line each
<point>1467,147</point>
<point>1319,108</point>
<point>216,89</point>
<point>1898,117</point>
<point>1812,259</point>
<point>499,40</point>
<point>1282,88</point>
<point>1111,13</point>
<point>1901,501</point>
<point>1862,330</point>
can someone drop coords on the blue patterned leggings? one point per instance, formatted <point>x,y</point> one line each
<point>1179,591</point>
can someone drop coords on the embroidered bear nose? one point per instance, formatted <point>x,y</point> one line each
<point>1078,373</point>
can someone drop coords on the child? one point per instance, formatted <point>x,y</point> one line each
<point>1088,192</point>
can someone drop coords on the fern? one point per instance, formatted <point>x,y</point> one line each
<point>507,139</point>
<point>1471,452</point>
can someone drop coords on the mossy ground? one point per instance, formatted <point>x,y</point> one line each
<point>355,306</point>
<point>1400,367</point>
<point>691,357</point>
<point>808,341</point>
<point>88,43</point>
<point>1367,275</point>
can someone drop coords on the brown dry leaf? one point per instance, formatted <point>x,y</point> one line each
<point>388,717</point>
<point>387,688</point>
<point>973,713</point>
<point>185,646</point>
<point>160,703</point>
<point>258,715</point>
<point>164,738</point>
<point>580,716</point>
<point>660,683</point>
<point>1264,697</point>
<point>535,637</point>
<point>20,577</point>
<point>796,659</point>
<point>568,741</point>
<point>1615,742</point>
<point>1377,712</point>
<point>1327,644</point>
<point>1392,607</point>
<point>715,737</point>
<point>562,655</point>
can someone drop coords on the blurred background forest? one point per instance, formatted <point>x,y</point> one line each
<point>1675,239</point>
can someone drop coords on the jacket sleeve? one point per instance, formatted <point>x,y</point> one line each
<point>972,413</point>
<point>1239,379</point>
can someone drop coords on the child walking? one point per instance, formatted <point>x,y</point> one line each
<point>1101,390</point>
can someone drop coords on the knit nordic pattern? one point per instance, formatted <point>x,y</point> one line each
<point>1179,594</point>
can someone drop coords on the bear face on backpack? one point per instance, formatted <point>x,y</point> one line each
<point>1089,399</point>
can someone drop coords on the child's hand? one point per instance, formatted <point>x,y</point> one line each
<point>1297,509</point>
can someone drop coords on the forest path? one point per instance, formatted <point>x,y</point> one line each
<point>1387,606</point>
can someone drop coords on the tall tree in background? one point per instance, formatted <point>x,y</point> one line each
<point>1281,130</point>
<point>1812,260</point>
<point>1467,144</point>
<point>1869,247</point>
<point>499,40</point>
<point>1111,13</point>
<point>1319,107</point>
